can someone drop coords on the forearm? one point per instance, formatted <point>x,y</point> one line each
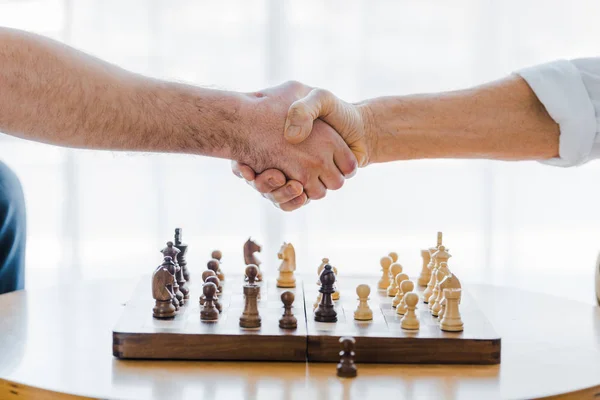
<point>502,120</point>
<point>52,93</point>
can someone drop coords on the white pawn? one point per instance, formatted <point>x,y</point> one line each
<point>392,289</point>
<point>394,256</point>
<point>410,320</point>
<point>451,321</point>
<point>406,286</point>
<point>363,312</point>
<point>384,282</point>
<point>399,279</point>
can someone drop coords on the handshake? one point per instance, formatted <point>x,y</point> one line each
<point>310,142</point>
<point>298,142</point>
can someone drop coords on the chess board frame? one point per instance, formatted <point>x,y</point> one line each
<point>138,335</point>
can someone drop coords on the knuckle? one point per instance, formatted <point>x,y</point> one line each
<point>336,183</point>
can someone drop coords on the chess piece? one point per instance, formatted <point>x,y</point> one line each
<point>213,265</point>
<point>181,257</point>
<point>215,280</point>
<point>287,267</point>
<point>406,286</point>
<point>436,295</point>
<point>392,289</point>
<point>384,282</point>
<point>399,293</point>
<point>172,251</point>
<point>162,281</point>
<point>217,255</point>
<point>251,247</point>
<point>425,275</point>
<point>450,282</point>
<point>209,311</point>
<point>410,320</point>
<point>336,293</point>
<point>250,317</point>
<point>435,306</point>
<point>325,311</point>
<point>324,262</point>
<point>207,273</point>
<point>431,266</point>
<point>440,256</point>
<point>394,256</point>
<point>288,321</point>
<point>170,266</point>
<point>452,321</point>
<point>363,311</point>
<point>346,367</point>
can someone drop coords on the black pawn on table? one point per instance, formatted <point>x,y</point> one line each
<point>250,317</point>
<point>288,321</point>
<point>325,311</point>
<point>216,281</point>
<point>209,310</point>
<point>346,367</point>
<point>169,265</point>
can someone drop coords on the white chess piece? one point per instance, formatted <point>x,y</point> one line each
<point>394,256</point>
<point>399,279</point>
<point>363,311</point>
<point>392,289</point>
<point>410,320</point>
<point>384,282</point>
<point>436,297</point>
<point>425,275</point>
<point>406,286</point>
<point>452,321</point>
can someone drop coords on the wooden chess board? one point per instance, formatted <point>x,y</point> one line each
<point>382,340</point>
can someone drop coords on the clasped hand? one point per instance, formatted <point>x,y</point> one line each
<point>326,140</point>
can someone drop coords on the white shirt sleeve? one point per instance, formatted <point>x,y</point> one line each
<point>570,91</point>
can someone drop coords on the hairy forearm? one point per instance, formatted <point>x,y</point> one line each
<point>52,93</point>
<point>502,120</point>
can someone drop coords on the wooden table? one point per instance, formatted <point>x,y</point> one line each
<point>56,343</point>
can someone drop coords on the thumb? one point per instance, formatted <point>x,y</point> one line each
<point>303,112</point>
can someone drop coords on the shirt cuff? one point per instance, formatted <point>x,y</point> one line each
<point>560,88</point>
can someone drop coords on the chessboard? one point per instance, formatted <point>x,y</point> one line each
<point>138,335</point>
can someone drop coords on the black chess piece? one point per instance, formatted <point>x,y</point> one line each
<point>250,317</point>
<point>172,251</point>
<point>215,280</point>
<point>325,311</point>
<point>209,311</point>
<point>169,265</point>
<point>288,321</point>
<point>181,257</point>
<point>346,367</point>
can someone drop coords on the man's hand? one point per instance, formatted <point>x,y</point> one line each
<point>351,121</point>
<point>319,163</point>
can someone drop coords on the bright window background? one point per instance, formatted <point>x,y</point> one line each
<point>99,215</point>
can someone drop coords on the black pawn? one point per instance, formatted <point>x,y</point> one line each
<point>216,281</point>
<point>209,311</point>
<point>325,311</point>
<point>288,321</point>
<point>346,367</point>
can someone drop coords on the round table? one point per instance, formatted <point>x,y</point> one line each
<point>56,343</point>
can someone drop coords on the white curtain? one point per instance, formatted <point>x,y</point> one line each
<point>99,215</point>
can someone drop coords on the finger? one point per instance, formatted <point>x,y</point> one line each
<point>345,162</point>
<point>332,179</point>
<point>269,180</point>
<point>302,113</point>
<point>288,192</point>
<point>315,189</point>
<point>242,171</point>
<point>295,204</point>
